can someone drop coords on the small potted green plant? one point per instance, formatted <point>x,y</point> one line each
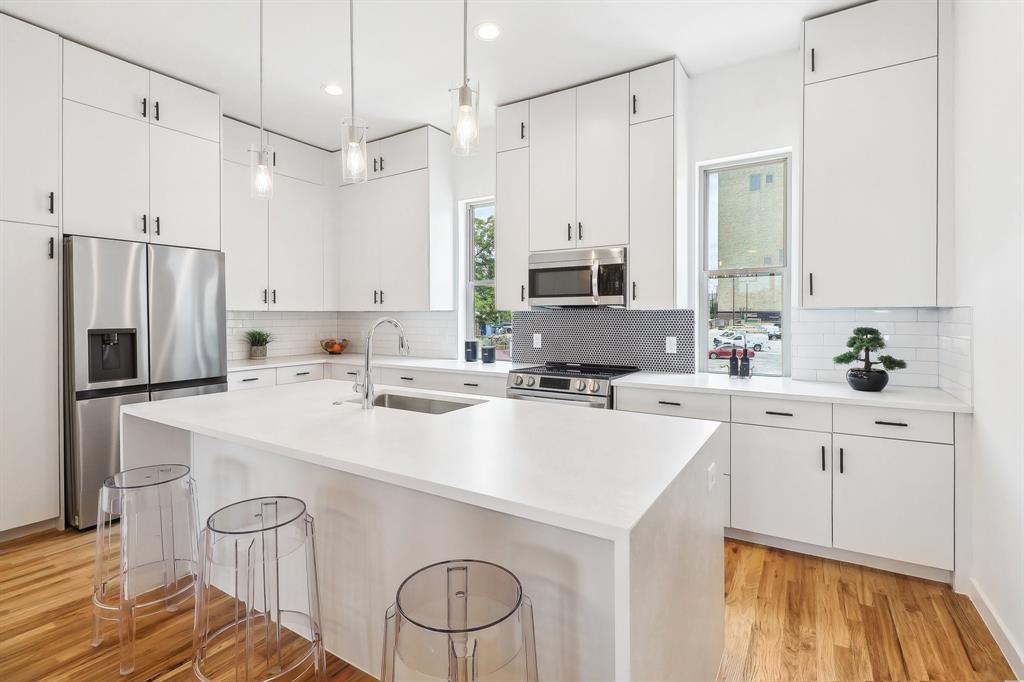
<point>258,340</point>
<point>866,340</point>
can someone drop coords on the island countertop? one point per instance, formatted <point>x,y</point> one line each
<point>591,471</point>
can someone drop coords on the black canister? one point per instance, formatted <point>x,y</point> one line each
<point>471,350</point>
<point>487,354</point>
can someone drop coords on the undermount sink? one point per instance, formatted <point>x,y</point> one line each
<point>397,401</point>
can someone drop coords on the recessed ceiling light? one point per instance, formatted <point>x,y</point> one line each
<point>488,31</point>
<point>332,89</point>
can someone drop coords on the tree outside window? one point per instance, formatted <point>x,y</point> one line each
<point>486,323</point>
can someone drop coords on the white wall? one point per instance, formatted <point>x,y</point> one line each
<point>989,199</point>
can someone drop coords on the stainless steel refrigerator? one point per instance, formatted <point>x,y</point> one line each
<point>141,322</point>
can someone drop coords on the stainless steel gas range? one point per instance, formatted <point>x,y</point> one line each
<point>583,385</point>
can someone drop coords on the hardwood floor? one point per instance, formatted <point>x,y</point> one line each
<point>796,617</point>
<point>788,617</point>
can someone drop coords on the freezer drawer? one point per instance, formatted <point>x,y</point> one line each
<point>188,391</point>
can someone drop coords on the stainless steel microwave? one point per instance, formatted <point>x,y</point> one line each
<point>579,277</point>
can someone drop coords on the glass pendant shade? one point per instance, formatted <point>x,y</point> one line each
<point>353,150</point>
<point>261,172</point>
<point>465,120</point>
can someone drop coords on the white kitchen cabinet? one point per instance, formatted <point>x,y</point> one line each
<point>297,160</point>
<point>402,153</point>
<point>184,194</point>
<point>652,215</point>
<point>869,177</point>
<point>894,499</point>
<point>782,483</point>
<point>183,107</point>
<point>651,92</point>
<point>105,82</point>
<point>869,36</point>
<point>512,229</point>
<point>602,162</point>
<point>297,215</point>
<point>513,129</point>
<point>237,138</point>
<point>353,252</point>
<point>297,374</point>
<point>553,171</point>
<point>29,405</point>
<point>404,272</point>
<point>106,174</point>
<point>244,240</point>
<point>373,159</point>
<point>244,380</point>
<point>29,123</point>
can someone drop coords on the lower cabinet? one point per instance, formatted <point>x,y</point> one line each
<point>782,483</point>
<point>491,385</point>
<point>893,499</point>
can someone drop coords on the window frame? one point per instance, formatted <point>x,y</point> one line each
<point>470,264</point>
<point>783,271</point>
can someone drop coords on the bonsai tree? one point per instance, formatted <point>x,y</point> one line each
<point>867,340</point>
<point>258,337</point>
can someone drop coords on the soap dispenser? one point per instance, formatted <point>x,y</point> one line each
<point>745,363</point>
<point>734,364</point>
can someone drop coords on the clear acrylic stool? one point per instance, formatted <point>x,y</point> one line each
<point>146,563</point>
<point>460,621</point>
<point>258,600</point>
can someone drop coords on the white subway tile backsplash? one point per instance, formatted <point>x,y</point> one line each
<point>295,333</point>
<point>430,334</point>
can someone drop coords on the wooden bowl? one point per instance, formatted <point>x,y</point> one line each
<point>334,346</point>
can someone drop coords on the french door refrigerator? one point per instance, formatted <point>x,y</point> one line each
<point>141,322</point>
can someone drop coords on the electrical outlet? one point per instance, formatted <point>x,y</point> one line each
<point>670,344</point>
<point>712,476</point>
<point>536,340</point>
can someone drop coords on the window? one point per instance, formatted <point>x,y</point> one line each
<point>491,326</point>
<point>744,295</point>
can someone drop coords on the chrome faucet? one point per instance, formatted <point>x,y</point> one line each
<point>365,387</point>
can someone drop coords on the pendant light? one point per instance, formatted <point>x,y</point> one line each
<point>465,102</point>
<point>261,156</point>
<point>353,129</point>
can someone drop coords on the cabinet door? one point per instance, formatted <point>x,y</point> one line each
<point>373,160</point>
<point>403,153</point>
<point>870,191</point>
<point>553,171</point>
<point>29,123</point>
<point>102,81</point>
<point>29,418</point>
<point>404,234</point>
<point>602,163</point>
<point>106,174</point>
<point>244,241</point>
<point>185,108</point>
<point>297,214</point>
<point>513,130</point>
<point>782,483</point>
<point>354,257</point>
<point>651,92</point>
<point>512,229</point>
<point>184,189</point>
<point>652,222</point>
<point>238,137</point>
<point>894,499</point>
<point>297,160</point>
<point>870,36</point>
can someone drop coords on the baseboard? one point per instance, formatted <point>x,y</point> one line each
<point>901,567</point>
<point>32,528</point>
<point>1012,650</point>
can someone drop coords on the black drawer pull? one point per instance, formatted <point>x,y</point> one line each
<point>252,379</point>
<point>407,378</point>
<point>884,423</point>
<point>301,374</point>
<point>352,374</point>
<point>669,402</point>
<point>779,414</point>
<point>51,203</point>
<point>822,457</point>
<point>467,383</point>
<point>51,248</point>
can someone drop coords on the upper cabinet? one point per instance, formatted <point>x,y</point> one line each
<point>105,82</point>
<point>512,228</point>
<point>29,123</point>
<point>553,171</point>
<point>870,36</point>
<point>238,137</point>
<point>873,160</point>
<point>297,160</point>
<point>184,107</point>
<point>513,126</point>
<point>401,153</point>
<point>651,92</point>
<point>602,152</point>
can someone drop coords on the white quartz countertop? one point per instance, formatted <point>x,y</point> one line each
<point>591,471</point>
<point>501,368</point>
<point>783,387</point>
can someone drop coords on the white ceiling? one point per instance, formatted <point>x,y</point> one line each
<point>408,52</point>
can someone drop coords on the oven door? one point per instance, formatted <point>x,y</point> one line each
<point>587,277</point>
<point>598,402</point>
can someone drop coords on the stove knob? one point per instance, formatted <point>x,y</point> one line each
<point>581,384</point>
<point>530,381</point>
<point>519,380</point>
<point>594,385</point>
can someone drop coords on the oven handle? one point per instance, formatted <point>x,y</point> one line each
<point>591,401</point>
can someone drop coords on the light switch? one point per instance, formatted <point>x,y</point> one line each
<point>536,340</point>
<point>670,344</point>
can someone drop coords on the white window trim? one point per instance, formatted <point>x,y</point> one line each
<point>703,311</point>
<point>468,324</point>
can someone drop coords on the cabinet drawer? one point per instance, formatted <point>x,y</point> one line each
<point>253,378</point>
<point>346,372</point>
<point>933,427</point>
<point>433,381</point>
<point>477,384</point>
<point>793,414</point>
<point>673,403</point>
<point>299,373</point>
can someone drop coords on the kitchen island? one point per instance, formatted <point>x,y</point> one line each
<point>613,521</point>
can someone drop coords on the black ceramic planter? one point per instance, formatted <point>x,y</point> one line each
<point>867,379</point>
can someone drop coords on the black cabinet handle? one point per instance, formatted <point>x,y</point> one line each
<point>569,232</point>
<point>273,295</point>
<point>252,379</point>
<point>841,464</point>
<point>812,60</point>
<point>375,164</point>
<point>810,278</point>
<point>580,231</point>
<point>669,402</point>
<point>51,203</point>
<point>467,383</point>
<point>301,374</point>
<point>382,297</point>
<point>273,159</point>
<point>634,291</point>
<point>822,457</point>
<point>522,292</point>
<point>882,423</point>
<point>634,104</point>
<point>144,113</point>
<point>375,297</point>
<point>264,295</point>
<point>407,378</point>
<point>779,414</point>
<point>352,374</point>
<point>51,248</point>
<point>156,222</point>
<point>522,130</point>
<point>156,110</point>
<point>382,164</point>
<point>144,228</point>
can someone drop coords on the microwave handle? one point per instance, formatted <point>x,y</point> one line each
<point>593,281</point>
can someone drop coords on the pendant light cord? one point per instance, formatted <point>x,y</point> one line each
<point>465,41</point>
<point>352,56</point>
<point>261,74</point>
